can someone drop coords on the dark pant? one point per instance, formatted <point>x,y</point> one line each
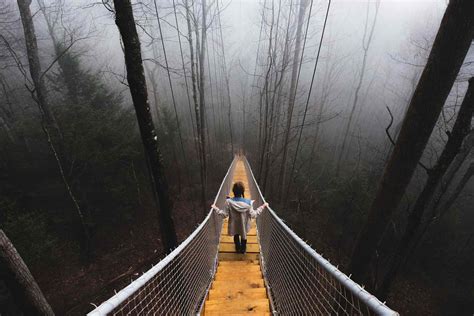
<point>240,244</point>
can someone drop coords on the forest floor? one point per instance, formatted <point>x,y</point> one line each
<point>121,253</point>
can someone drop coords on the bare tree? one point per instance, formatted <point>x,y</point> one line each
<point>460,130</point>
<point>202,99</point>
<point>366,41</point>
<point>20,282</point>
<point>49,124</point>
<point>458,189</point>
<point>226,78</point>
<point>448,52</point>
<point>137,83</point>
<point>296,64</point>
<point>197,106</point>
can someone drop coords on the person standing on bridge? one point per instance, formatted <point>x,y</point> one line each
<point>240,212</point>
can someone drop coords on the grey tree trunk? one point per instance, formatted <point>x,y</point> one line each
<point>202,99</point>
<point>26,294</point>
<point>49,124</point>
<point>137,83</point>
<point>446,57</point>
<point>365,47</point>
<point>35,69</point>
<point>292,95</point>
<point>185,78</point>
<point>460,130</point>
<point>457,191</point>
<point>197,109</point>
<point>466,148</point>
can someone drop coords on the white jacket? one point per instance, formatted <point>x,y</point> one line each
<point>240,212</point>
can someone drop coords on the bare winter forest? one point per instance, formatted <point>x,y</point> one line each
<point>119,119</point>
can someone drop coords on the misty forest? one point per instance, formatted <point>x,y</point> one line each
<point>120,118</point>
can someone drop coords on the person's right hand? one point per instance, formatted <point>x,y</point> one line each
<point>214,207</point>
<point>265,204</point>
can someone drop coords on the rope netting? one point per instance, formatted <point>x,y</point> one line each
<point>299,280</point>
<point>178,284</point>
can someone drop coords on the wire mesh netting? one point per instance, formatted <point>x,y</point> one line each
<point>177,285</point>
<point>300,281</point>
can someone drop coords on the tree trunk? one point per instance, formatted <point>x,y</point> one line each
<point>50,127</point>
<point>292,96</point>
<point>196,106</point>
<point>446,57</point>
<point>27,296</point>
<point>466,147</point>
<point>137,83</point>
<point>226,78</point>
<point>178,122</point>
<point>443,187</point>
<point>35,68</point>
<point>461,128</point>
<point>68,75</point>
<point>185,78</point>
<point>365,47</point>
<point>202,99</point>
<point>464,180</point>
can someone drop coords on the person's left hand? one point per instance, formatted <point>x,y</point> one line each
<point>214,207</point>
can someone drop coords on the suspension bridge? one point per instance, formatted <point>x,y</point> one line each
<point>280,274</point>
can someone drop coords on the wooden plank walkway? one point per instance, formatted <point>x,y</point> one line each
<point>238,287</point>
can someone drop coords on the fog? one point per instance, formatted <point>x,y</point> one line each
<point>315,98</point>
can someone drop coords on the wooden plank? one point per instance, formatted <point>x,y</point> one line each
<point>214,313</point>
<point>240,262</point>
<point>237,275</point>
<point>227,238</point>
<point>232,256</point>
<point>256,293</point>
<point>251,232</point>
<point>253,306</point>
<point>230,247</point>
<point>241,284</point>
<point>238,268</point>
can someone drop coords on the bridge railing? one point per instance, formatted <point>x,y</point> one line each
<point>177,285</point>
<point>301,281</point>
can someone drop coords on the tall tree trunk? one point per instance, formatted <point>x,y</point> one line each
<point>446,57</point>
<point>20,282</point>
<point>444,185</point>
<point>266,91</point>
<point>196,105</point>
<point>202,99</point>
<point>185,77</point>
<point>365,47</point>
<point>59,50</point>
<point>292,96</point>
<point>35,69</point>
<point>466,147</point>
<point>461,128</point>
<point>178,122</point>
<point>49,124</point>
<point>137,83</point>
<point>462,183</point>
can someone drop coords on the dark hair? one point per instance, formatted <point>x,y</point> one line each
<point>238,189</point>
